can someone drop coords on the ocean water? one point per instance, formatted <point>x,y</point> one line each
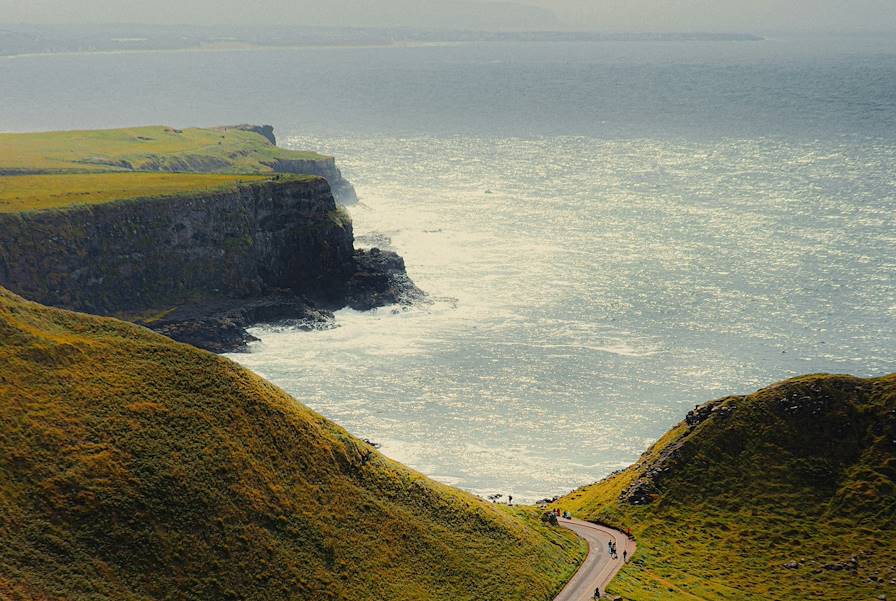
<point>599,291</point>
<point>609,233</point>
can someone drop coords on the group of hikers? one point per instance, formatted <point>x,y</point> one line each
<point>611,551</point>
<point>611,544</point>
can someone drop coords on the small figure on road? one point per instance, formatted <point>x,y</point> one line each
<point>610,548</point>
<point>624,555</point>
<point>597,593</point>
<point>510,499</point>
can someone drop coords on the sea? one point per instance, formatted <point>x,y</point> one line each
<point>609,233</point>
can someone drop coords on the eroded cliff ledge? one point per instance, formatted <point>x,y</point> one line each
<point>202,267</point>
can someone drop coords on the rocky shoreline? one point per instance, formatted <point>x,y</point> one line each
<point>202,269</point>
<point>221,326</point>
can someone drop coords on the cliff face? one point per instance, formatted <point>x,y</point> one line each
<point>235,149</point>
<point>152,254</point>
<point>326,168</point>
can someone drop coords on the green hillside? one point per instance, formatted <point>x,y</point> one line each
<point>153,148</point>
<point>42,192</point>
<point>132,467</point>
<point>766,496</point>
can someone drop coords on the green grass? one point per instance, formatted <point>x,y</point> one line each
<point>152,148</point>
<point>809,478</point>
<point>48,170</point>
<point>132,467</point>
<point>22,193</point>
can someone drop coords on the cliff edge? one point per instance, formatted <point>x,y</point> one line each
<point>238,149</point>
<point>202,266</point>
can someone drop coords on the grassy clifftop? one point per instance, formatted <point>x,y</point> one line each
<point>765,496</point>
<point>133,467</point>
<point>153,148</point>
<point>42,192</point>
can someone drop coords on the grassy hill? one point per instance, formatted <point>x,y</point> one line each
<point>43,192</point>
<point>765,496</point>
<point>153,148</point>
<point>132,467</point>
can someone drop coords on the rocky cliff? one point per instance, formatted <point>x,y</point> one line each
<point>233,149</point>
<point>326,168</point>
<point>202,265</point>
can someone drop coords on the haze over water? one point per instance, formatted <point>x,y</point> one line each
<point>667,223</point>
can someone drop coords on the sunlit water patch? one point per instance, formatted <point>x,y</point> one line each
<point>586,293</point>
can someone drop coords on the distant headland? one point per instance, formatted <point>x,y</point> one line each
<point>17,40</point>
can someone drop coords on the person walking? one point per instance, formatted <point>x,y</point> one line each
<point>597,593</point>
<point>624,555</point>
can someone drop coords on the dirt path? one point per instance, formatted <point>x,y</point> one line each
<point>598,568</point>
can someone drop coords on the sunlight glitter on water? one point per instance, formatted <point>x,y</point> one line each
<point>598,291</point>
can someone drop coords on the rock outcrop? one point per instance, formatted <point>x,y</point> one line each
<point>653,470</point>
<point>202,268</point>
<point>343,190</point>
<point>265,131</point>
<point>379,279</point>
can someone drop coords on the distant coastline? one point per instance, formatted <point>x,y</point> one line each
<point>214,48</point>
<point>32,40</point>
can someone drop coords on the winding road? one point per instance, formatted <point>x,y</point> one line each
<point>599,568</point>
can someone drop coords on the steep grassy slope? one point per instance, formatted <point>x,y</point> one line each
<point>42,192</point>
<point>767,496</point>
<point>132,467</point>
<point>153,148</point>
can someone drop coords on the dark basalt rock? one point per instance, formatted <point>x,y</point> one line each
<point>641,492</point>
<point>212,264</point>
<point>852,565</point>
<point>379,279</point>
<point>720,408</point>
<point>645,489</point>
<point>221,326</point>
<point>215,334</point>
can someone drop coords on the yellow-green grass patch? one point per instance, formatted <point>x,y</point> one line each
<point>150,148</point>
<point>769,502</point>
<point>133,467</point>
<point>21,193</point>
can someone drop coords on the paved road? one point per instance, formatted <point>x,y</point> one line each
<point>598,568</point>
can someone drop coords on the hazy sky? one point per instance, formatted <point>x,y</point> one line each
<point>605,15</point>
